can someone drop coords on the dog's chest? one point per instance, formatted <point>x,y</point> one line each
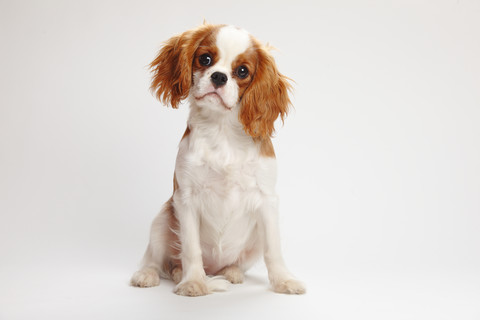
<point>223,178</point>
<point>223,164</point>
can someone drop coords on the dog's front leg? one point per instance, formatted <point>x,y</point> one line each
<point>193,278</point>
<point>281,279</point>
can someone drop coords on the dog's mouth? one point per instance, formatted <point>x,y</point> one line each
<point>215,95</point>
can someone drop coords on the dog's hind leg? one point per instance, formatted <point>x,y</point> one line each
<point>162,246</point>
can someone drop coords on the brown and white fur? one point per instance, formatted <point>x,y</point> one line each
<point>222,215</point>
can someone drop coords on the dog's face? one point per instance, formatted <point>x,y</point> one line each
<point>223,69</point>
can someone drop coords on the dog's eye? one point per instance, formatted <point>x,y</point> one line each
<point>205,60</point>
<point>242,72</point>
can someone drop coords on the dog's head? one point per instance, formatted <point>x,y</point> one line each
<point>223,69</point>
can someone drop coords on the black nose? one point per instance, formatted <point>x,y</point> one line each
<point>219,79</point>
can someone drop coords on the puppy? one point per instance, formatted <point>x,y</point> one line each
<point>222,215</point>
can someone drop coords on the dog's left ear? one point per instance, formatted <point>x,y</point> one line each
<point>172,68</point>
<point>266,98</point>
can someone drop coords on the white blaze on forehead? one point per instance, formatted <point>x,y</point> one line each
<point>232,41</point>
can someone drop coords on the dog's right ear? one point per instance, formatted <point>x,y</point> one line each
<point>172,68</point>
<point>172,72</point>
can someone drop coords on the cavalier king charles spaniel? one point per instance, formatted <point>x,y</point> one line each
<point>223,214</point>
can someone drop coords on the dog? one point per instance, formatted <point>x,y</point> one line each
<point>223,214</point>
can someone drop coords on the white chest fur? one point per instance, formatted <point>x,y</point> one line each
<point>221,172</point>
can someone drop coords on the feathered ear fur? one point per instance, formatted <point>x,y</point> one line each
<point>266,98</point>
<point>172,68</point>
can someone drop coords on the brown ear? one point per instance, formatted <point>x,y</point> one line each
<point>172,68</point>
<point>266,98</point>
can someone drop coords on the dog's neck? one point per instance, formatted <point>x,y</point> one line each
<point>216,121</point>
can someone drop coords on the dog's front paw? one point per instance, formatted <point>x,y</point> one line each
<point>145,278</point>
<point>290,286</point>
<point>192,288</point>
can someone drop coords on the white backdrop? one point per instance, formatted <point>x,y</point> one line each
<point>379,163</point>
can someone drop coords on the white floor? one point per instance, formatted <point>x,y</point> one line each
<point>91,292</point>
